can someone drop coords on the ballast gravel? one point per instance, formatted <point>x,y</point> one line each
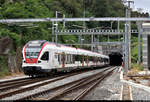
<point>109,89</point>
<point>140,94</point>
<point>13,78</point>
<point>51,85</point>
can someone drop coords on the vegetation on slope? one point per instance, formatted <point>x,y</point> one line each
<point>46,8</point>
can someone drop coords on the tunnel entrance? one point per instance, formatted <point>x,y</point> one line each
<point>115,59</point>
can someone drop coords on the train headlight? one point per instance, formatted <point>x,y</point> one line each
<point>39,61</point>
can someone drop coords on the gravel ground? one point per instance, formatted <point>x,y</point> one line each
<point>54,84</point>
<point>109,89</point>
<point>140,94</point>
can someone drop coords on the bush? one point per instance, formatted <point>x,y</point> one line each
<point>136,66</point>
<point>4,69</point>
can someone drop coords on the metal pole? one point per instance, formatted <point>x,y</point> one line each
<point>108,38</point>
<point>92,42</point>
<point>64,22</point>
<point>126,49</point>
<point>53,32</point>
<point>118,26</point>
<point>111,24</point>
<point>126,45</point>
<point>128,38</point>
<point>84,13</point>
<point>56,27</point>
<point>80,39</point>
<point>124,52</point>
<point>118,30</point>
<point>139,41</point>
<point>129,32</point>
<point>139,48</point>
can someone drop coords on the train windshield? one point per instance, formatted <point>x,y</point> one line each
<point>33,48</point>
<point>32,52</point>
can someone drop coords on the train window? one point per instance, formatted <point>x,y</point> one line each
<point>68,59</point>
<point>78,58</point>
<point>95,59</point>
<point>56,56</point>
<point>59,59</point>
<point>32,52</point>
<point>90,58</point>
<point>63,57</point>
<point>87,59</point>
<point>83,59</point>
<point>45,56</point>
<point>73,58</point>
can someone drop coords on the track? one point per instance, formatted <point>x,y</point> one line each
<point>19,86</point>
<point>13,85</point>
<point>74,90</point>
<point>126,92</point>
<point>9,82</point>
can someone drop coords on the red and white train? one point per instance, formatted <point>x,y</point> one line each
<point>43,57</point>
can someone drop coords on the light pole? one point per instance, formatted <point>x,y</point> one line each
<point>56,30</point>
<point>128,37</point>
<point>139,24</point>
<point>82,42</point>
<point>53,40</point>
<point>64,23</point>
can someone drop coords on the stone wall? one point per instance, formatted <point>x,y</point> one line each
<point>6,45</point>
<point>14,61</point>
<point>19,58</point>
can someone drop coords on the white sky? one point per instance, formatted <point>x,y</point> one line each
<point>144,4</point>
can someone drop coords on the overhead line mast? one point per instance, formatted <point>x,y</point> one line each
<point>128,37</point>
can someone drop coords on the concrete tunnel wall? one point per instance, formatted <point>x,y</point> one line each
<point>115,59</point>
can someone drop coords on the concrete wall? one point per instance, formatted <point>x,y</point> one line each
<point>112,48</point>
<point>146,45</point>
<point>148,52</point>
<point>145,51</point>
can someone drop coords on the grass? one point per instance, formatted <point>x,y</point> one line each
<point>135,68</point>
<point>4,72</point>
<point>134,55</point>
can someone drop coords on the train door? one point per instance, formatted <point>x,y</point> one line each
<point>63,60</point>
<point>82,60</point>
<point>87,60</point>
<point>55,62</point>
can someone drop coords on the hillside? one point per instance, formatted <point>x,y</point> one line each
<point>46,8</point>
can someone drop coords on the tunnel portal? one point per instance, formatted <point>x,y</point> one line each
<point>115,59</point>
